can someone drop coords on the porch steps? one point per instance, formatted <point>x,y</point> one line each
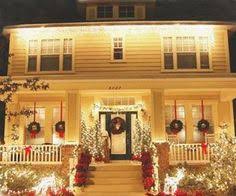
<point>119,178</point>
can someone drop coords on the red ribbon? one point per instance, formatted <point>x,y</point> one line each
<point>175,110</point>
<point>61,109</point>
<point>33,134</point>
<point>28,150</point>
<point>34,111</point>
<point>202,110</point>
<point>204,147</point>
<point>61,134</point>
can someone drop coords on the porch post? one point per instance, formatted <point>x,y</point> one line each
<point>158,115</point>
<point>72,118</point>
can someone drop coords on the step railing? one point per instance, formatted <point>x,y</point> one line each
<point>190,153</point>
<point>31,154</point>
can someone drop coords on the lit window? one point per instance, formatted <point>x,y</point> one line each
<point>118,48</point>
<point>168,53</point>
<point>197,115</point>
<point>170,115</point>
<point>32,55</point>
<point>50,55</point>
<point>204,52</point>
<point>126,11</point>
<point>183,53</point>
<point>105,11</point>
<point>54,55</point>
<point>186,53</point>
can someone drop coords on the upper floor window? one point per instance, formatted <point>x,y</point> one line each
<point>54,55</point>
<point>186,52</point>
<point>126,11</point>
<point>118,49</point>
<point>104,11</point>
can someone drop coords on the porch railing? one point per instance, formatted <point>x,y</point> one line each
<point>190,153</point>
<point>33,154</point>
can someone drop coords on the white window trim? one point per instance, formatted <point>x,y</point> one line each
<point>112,50</point>
<point>60,57</point>
<point>113,12</point>
<point>175,69</point>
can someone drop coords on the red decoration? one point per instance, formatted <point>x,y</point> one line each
<point>203,125</point>
<point>176,125</point>
<point>28,150</point>
<point>148,170</point>
<point>82,169</point>
<point>60,126</point>
<point>34,127</point>
<point>204,148</point>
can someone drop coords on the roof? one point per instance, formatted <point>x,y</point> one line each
<point>43,11</point>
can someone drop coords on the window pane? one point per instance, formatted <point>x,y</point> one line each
<point>32,63</point>
<point>168,61</point>
<point>67,62</point>
<point>33,47</point>
<point>40,118</point>
<point>185,44</point>
<point>186,60</point>
<point>50,46</point>
<point>67,48</point>
<point>49,63</point>
<point>197,115</point>
<point>105,11</point>
<point>204,60</point>
<point>170,115</point>
<point>118,53</point>
<point>126,11</point>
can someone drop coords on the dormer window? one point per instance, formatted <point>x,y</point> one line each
<point>104,11</point>
<point>126,11</point>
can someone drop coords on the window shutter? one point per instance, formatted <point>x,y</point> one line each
<point>91,12</point>
<point>140,12</point>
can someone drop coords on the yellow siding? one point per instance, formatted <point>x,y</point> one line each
<point>92,54</point>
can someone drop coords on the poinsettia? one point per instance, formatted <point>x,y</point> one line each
<point>179,192</point>
<point>148,183</point>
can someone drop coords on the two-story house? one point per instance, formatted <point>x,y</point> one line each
<point>120,62</point>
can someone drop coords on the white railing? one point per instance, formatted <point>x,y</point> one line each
<point>190,153</point>
<point>33,154</point>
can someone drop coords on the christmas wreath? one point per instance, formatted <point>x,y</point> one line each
<point>176,126</point>
<point>60,128</point>
<point>203,125</point>
<point>117,125</point>
<point>34,128</point>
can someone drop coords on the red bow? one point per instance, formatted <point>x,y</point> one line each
<point>28,150</point>
<point>204,148</point>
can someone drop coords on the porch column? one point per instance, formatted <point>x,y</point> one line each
<point>73,113</point>
<point>158,115</point>
<point>48,129</point>
<point>225,114</point>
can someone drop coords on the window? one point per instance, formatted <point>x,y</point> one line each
<point>118,48</point>
<point>40,118</point>
<point>54,55</point>
<point>50,55</point>
<point>182,52</point>
<point>32,55</point>
<point>197,115</point>
<point>170,115</point>
<point>204,52</point>
<point>105,11</point>
<point>126,11</point>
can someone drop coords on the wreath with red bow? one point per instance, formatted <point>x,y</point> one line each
<point>60,128</point>
<point>34,128</point>
<point>117,125</point>
<point>176,126</point>
<point>203,126</point>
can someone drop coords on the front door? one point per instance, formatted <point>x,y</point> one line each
<point>119,126</point>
